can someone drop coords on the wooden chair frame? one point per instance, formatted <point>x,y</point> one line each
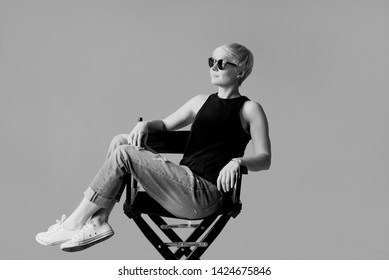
<point>204,231</point>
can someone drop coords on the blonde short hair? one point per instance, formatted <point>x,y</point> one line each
<point>242,56</point>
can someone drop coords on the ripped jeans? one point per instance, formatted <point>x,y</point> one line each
<point>173,186</point>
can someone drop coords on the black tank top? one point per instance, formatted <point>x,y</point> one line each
<point>216,137</point>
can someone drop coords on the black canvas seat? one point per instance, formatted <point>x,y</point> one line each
<point>165,238</point>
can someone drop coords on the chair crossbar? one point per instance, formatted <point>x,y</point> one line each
<point>188,225</point>
<point>187,244</point>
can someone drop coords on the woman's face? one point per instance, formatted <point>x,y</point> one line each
<point>226,77</point>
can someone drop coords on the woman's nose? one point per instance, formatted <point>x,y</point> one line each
<point>214,67</point>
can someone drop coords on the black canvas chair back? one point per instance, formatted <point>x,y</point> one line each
<point>163,236</point>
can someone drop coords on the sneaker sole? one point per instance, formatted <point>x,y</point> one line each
<point>52,243</point>
<point>82,245</point>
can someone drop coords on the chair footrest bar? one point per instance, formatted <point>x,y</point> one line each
<point>188,225</point>
<point>187,244</point>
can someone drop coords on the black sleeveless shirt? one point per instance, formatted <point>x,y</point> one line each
<point>216,137</point>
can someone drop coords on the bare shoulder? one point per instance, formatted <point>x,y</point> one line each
<point>185,114</point>
<point>199,99</point>
<point>197,102</point>
<point>253,111</point>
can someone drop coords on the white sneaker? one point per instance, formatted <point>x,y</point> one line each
<point>89,235</point>
<point>56,234</point>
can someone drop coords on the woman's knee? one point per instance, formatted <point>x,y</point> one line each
<point>120,139</point>
<point>123,153</point>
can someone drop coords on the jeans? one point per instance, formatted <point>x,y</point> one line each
<point>173,186</point>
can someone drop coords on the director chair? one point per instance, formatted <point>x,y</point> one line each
<point>163,236</point>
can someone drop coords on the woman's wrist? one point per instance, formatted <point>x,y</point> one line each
<point>238,161</point>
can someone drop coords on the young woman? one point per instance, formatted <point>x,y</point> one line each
<point>222,125</point>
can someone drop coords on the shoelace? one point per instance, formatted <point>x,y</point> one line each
<point>56,225</point>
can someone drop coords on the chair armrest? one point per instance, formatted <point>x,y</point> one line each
<point>236,191</point>
<point>171,142</point>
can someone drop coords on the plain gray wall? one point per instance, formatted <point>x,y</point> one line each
<point>75,73</point>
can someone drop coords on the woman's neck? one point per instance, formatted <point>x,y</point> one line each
<point>227,93</point>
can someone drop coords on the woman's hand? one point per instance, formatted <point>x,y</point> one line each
<point>228,176</point>
<point>138,136</point>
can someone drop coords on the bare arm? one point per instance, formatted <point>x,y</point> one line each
<point>255,118</point>
<point>180,118</point>
<point>186,114</point>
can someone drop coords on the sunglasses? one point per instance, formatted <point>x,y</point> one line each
<point>221,63</point>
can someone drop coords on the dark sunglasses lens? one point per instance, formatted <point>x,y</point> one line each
<point>211,62</point>
<point>221,64</point>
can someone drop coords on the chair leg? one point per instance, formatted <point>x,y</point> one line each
<point>190,254</point>
<point>168,232</point>
<point>158,244</point>
<point>172,235</point>
<point>204,225</point>
<point>210,237</point>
